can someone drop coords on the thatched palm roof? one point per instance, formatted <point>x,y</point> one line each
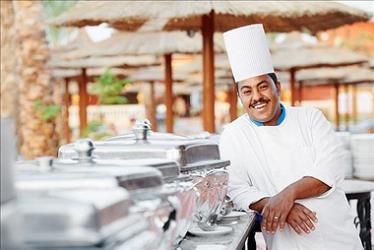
<point>171,15</point>
<point>154,74</point>
<point>149,43</point>
<point>298,54</point>
<point>81,40</point>
<point>319,56</point>
<point>110,61</point>
<point>91,72</point>
<point>342,75</point>
<point>221,62</point>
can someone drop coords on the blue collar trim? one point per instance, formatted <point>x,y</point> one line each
<point>279,121</point>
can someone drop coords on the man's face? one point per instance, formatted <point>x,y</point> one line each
<point>260,97</point>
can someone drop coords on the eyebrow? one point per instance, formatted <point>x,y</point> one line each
<point>263,81</point>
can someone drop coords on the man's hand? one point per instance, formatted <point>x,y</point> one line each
<point>301,219</point>
<point>276,210</point>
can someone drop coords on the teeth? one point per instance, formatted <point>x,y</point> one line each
<point>260,106</point>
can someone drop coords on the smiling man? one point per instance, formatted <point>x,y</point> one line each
<point>285,161</point>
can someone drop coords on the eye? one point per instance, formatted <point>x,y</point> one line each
<point>246,92</point>
<point>263,87</point>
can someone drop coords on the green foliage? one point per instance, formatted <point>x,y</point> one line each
<point>108,88</point>
<point>47,112</point>
<point>54,8</point>
<point>96,130</point>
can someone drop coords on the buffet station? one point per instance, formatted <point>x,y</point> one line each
<point>143,190</point>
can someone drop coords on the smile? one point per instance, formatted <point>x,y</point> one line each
<point>259,106</point>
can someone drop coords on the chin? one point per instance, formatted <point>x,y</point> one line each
<point>261,118</point>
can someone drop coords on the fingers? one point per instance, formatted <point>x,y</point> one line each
<point>269,220</point>
<point>304,227</point>
<point>264,218</point>
<point>303,218</point>
<point>299,226</point>
<point>282,221</point>
<point>295,227</point>
<point>275,223</point>
<point>310,214</point>
<point>309,218</point>
<point>308,223</point>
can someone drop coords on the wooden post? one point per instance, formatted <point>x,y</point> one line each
<point>293,85</point>
<point>152,107</point>
<point>208,73</point>
<point>300,94</point>
<point>346,90</point>
<point>169,93</point>
<point>336,100</point>
<point>67,103</point>
<point>354,103</point>
<point>83,100</point>
<point>233,101</point>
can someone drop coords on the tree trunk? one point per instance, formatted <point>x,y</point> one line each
<point>37,136</point>
<point>8,62</point>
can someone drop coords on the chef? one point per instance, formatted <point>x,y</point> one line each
<point>285,161</point>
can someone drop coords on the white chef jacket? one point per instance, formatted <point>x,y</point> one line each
<point>266,159</point>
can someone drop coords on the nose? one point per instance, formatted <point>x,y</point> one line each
<point>256,96</point>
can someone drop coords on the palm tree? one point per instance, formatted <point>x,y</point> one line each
<point>8,62</point>
<point>36,130</point>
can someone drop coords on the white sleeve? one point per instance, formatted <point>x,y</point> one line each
<point>240,189</point>
<point>329,152</point>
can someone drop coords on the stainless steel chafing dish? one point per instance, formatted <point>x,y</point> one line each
<point>197,158</point>
<point>191,154</point>
<point>177,184</point>
<point>149,196</point>
<point>74,218</point>
<point>63,210</point>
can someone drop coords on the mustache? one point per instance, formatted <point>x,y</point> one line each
<point>259,101</point>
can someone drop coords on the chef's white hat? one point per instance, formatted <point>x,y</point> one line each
<point>248,52</point>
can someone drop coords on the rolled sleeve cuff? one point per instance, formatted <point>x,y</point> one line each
<point>325,178</point>
<point>245,201</point>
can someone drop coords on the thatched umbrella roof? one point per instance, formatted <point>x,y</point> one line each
<point>149,43</point>
<point>221,62</point>
<point>110,61</point>
<point>342,75</point>
<point>313,57</point>
<point>154,74</point>
<point>81,40</point>
<point>294,53</point>
<point>91,72</point>
<point>325,76</point>
<point>276,16</point>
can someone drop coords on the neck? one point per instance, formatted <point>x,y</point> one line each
<point>274,120</point>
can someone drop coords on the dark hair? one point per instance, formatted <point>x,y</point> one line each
<point>273,77</point>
